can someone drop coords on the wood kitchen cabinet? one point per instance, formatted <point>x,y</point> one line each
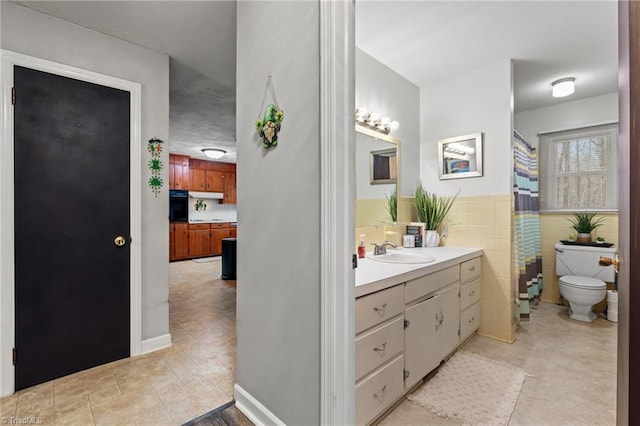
<point>205,239</point>
<point>197,179</point>
<point>229,188</point>
<point>199,240</point>
<point>214,181</point>
<point>178,171</point>
<point>178,240</point>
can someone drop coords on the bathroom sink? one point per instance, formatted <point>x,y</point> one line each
<point>403,257</point>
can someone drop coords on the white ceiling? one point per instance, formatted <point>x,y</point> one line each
<point>424,41</point>
<point>430,41</point>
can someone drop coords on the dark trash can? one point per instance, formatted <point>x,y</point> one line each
<point>228,259</point>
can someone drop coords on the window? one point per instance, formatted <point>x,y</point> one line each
<point>578,169</point>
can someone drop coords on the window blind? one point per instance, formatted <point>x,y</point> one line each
<point>578,169</point>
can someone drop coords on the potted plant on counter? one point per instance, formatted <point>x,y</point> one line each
<point>392,205</point>
<point>431,211</point>
<point>584,224</point>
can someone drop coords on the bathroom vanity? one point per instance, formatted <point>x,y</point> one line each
<point>409,318</point>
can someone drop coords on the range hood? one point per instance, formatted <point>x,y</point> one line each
<point>206,195</point>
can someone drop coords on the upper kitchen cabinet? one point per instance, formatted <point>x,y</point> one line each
<point>178,171</point>
<point>208,176</point>
<point>229,188</point>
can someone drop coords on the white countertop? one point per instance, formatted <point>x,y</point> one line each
<point>372,275</point>
<point>211,221</point>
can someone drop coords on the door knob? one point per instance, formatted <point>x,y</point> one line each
<point>119,241</point>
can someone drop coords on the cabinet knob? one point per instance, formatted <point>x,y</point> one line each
<point>472,293</point>
<point>473,268</point>
<point>473,319</point>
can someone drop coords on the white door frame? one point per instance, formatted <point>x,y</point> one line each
<point>337,151</point>
<point>7,260</point>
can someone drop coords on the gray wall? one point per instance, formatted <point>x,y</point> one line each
<point>478,101</point>
<point>566,115</point>
<point>32,33</point>
<point>381,89</point>
<point>278,297</point>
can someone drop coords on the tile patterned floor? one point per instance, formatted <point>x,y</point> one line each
<point>572,367</point>
<point>167,387</point>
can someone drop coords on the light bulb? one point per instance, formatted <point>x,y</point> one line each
<point>394,125</point>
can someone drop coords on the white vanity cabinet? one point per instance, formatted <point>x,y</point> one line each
<point>470,294</point>
<point>379,347</point>
<point>408,323</point>
<point>432,322</point>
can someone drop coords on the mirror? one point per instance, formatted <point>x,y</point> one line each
<point>383,166</point>
<point>377,170</point>
<point>460,157</point>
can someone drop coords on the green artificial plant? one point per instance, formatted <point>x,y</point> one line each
<point>392,205</point>
<point>585,223</point>
<point>431,208</point>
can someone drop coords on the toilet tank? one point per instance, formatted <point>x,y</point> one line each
<point>583,261</point>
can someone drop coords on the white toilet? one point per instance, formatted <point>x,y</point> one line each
<point>582,278</point>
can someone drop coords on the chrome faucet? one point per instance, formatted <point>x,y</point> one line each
<point>382,248</point>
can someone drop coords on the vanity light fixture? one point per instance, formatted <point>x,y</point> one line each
<point>563,87</point>
<point>214,153</point>
<point>374,121</point>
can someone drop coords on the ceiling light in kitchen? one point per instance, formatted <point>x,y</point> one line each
<point>214,152</point>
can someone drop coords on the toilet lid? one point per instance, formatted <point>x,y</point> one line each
<point>583,282</point>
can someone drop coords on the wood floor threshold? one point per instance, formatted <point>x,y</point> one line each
<point>225,415</point>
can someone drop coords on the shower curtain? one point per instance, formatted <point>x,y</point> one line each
<point>526,221</point>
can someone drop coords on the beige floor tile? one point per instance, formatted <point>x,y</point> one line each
<point>35,398</point>
<point>127,408</point>
<point>8,406</point>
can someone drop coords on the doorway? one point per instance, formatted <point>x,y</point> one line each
<point>69,285</point>
<point>71,207</point>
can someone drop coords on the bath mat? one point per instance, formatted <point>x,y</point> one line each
<point>470,389</point>
<point>206,259</point>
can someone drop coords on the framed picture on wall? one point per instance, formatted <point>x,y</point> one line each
<point>460,156</point>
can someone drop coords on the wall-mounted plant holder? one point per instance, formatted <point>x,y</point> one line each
<point>200,205</point>
<point>269,124</point>
<point>154,146</point>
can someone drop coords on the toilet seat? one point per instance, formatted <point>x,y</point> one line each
<point>584,283</point>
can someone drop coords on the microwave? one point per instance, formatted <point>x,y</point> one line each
<point>178,205</point>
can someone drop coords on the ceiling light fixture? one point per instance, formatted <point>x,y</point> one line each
<point>214,152</point>
<point>563,87</point>
<point>375,121</point>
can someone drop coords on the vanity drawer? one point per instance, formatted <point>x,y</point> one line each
<point>378,307</point>
<point>470,269</point>
<point>429,283</point>
<point>378,391</point>
<point>470,293</point>
<point>470,320</point>
<point>376,347</point>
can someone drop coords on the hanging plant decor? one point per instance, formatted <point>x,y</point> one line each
<point>154,146</point>
<point>269,124</point>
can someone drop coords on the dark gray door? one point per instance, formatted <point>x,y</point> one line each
<point>72,303</point>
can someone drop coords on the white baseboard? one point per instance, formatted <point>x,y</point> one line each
<point>253,409</point>
<point>156,343</point>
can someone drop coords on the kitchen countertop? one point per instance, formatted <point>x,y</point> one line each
<point>211,221</point>
<point>373,275</point>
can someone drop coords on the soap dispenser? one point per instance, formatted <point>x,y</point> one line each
<point>361,247</point>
